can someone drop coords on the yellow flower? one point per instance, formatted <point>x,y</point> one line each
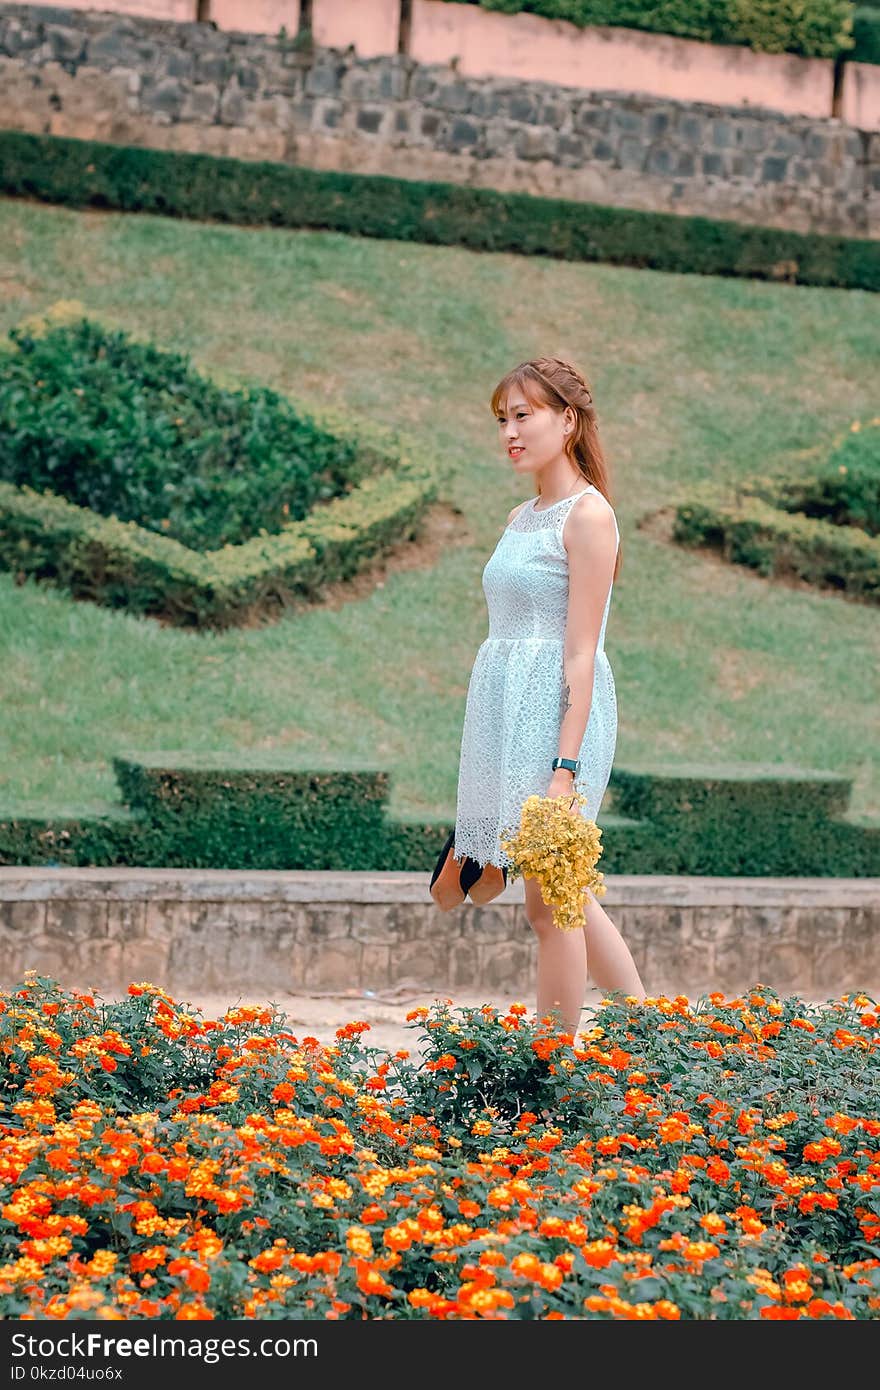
<point>560,849</point>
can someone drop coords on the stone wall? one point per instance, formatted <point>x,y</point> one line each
<point>190,86</point>
<point>213,931</point>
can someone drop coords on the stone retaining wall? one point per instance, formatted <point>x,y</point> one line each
<point>190,86</point>
<point>203,930</point>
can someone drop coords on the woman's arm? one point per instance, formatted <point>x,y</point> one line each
<point>590,538</point>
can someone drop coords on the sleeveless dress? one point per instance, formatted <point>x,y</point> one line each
<point>513,710</point>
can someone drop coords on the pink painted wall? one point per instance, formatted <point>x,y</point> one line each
<point>256,16</point>
<point>861,95</point>
<point>526,46</point>
<point>371,25</point>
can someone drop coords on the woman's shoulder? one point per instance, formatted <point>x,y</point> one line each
<point>590,515</point>
<point>517,509</point>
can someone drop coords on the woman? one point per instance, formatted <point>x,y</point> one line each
<point>541,686</point>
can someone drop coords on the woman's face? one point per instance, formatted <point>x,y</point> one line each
<point>530,435</point>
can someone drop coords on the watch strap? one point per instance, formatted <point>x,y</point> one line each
<point>572,764</point>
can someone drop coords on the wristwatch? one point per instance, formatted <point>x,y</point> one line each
<point>572,764</point>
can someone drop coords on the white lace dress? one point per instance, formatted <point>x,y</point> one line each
<point>513,711</point>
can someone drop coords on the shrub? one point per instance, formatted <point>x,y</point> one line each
<point>866,35</point>
<point>134,431</point>
<point>817,28</point>
<point>706,1161</point>
<point>126,565</point>
<point>846,490</point>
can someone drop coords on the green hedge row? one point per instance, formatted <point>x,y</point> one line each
<point>816,28</point>
<point>220,812</point>
<point>80,173</point>
<point>122,565</point>
<point>750,530</point>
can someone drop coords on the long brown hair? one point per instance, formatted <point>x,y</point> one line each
<point>550,381</point>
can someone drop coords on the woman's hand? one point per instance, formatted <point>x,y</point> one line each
<point>562,784</point>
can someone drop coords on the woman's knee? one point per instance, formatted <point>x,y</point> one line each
<point>541,922</point>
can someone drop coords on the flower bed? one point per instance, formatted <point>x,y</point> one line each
<point>709,1160</point>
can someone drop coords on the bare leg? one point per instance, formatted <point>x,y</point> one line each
<point>565,956</point>
<point>608,957</point>
<point>562,962</point>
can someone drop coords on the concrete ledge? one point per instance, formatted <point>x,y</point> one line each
<point>301,931</point>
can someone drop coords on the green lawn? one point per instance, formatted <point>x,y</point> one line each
<point>692,377</point>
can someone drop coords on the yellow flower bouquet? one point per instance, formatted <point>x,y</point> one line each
<point>560,849</point>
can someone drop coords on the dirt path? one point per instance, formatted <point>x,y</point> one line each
<point>319,1015</point>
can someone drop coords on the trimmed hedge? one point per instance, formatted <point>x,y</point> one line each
<point>122,565</point>
<point>816,28</point>
<point>125,565</point>
<point>132,430</point>
<point>80,173</point>
<point>748,530</point>
<point>249,811</point>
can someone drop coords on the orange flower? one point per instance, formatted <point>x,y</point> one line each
<point>599,1253</point>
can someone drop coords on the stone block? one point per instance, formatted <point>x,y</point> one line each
<point>523,106</point>
<point>430,123</point>
<point>212,67</point>
<point>570,149</point>
<point>460,134</point>
<point>657,123</point>
<point>19,920</point>
<point>200,103</point>
<point>660,159</point>
<point>692,128</point>
<point>553,112</point>
<point>626,121</point>
<point>774,168</point>
<point>70,921</point>
<point>126,921</point>
<point>333,964</point>
<point>452,95</point>
<point>534,142</point>
<point>393,80</point>
<point>142,960</point>
<point>751,135</point>
<point>631,153</point>
<point>248,78</point>
<point>785,967</point>
<point>329,921</point>
<point>19,38</point>
<point>424,963</point>
<point>464,966</point>
<point>507,966</point>
<point>232,104</point>
<point>65,44</point>
<point>489,923</point>
<point>738,957</point>
<point>370,120</point>
<point>162,919</point>
<point>375,966</point>
<point>587,118</point>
